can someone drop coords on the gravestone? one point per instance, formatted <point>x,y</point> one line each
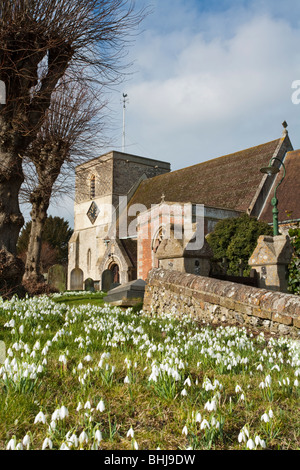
<point>89,285</point>
<point>57,277</point>
<point>76,279</point>
<point>107,280</point>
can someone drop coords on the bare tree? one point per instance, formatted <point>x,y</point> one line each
<point>72,128</point>
<point>86,35</point>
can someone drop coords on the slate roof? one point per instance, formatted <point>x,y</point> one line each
<point>229,182</point>
<point>288,193</point>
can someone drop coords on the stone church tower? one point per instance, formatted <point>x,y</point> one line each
<point>100,185</point>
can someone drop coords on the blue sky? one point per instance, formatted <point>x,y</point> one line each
<point>209,78</point>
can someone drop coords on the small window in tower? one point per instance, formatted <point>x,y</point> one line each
<point>89,259</point>
<point>92,186</point>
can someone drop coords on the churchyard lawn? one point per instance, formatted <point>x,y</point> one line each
<point>88,376</point>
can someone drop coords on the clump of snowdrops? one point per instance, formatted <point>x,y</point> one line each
<point>96,377</point>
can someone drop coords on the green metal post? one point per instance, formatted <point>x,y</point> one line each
<point>274,200</point>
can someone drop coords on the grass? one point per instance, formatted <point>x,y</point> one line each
<point>177,384</point>
<point>81,298</point>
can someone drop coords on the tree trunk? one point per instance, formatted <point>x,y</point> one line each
<point>38,218</point>
<point>11,219</point>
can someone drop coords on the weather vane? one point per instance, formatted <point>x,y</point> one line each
<point>124,107</point>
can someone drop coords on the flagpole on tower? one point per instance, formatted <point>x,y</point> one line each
<point>124,107</point>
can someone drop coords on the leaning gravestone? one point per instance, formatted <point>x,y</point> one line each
<point>89,285</point>
<point>2,352</point>
<point>107,280</point>
<point>57,277</point>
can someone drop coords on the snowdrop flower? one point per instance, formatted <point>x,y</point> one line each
<point>73,440</point>
<point>126,380</point>
<point>243,434</point>
<point>259,442</point>
<point>210,405</point>
<point>250,444</point>
<point>268,380</point>
<point>185,430</point>
<point>63,412</point>
<point>238,389</point>
<point>130,432</point>
<point>26,441</point>
<point>259,367</point>
<point>62,358</point>
<point>47,443</point>
<point>135,445</point>
<point>198,418</point>
<point>204,424</point>
<point>98,436</point>
<point>184,392</point>
<point>100,407</point>
<point>19,446</point>
<point>64,446</point>
<point>55,415</point>
<point>187,382</point>
<point>271,414</point>
<point>40,418</point>
<point>52,426</point>
<point>79,406</point>
<point>83,438</point>
<point>265,418</point>
<point>11,445</point>
<point>37,345</point>
<point>88,358</point>
<point>87,405</point>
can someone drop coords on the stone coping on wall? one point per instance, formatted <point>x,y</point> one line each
<point>219,301</point>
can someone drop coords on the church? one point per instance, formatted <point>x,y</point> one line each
<point>133,213</point>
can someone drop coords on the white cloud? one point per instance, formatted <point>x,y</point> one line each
<point>194,87</point>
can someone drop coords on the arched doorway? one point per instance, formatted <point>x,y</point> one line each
<point>116,273</point>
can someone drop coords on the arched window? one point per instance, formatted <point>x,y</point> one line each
<point>89,259</point>
<point>92,186</point>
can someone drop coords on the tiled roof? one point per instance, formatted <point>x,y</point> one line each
<point>227,182</point>
<point>288,193</point>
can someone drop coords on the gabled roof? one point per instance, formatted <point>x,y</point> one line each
<point>230,182</point>
<point>288,193</point>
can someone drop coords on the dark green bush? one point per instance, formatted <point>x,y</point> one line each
<point>235,239</point>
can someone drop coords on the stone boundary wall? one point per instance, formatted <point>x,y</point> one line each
<point>222,302</point>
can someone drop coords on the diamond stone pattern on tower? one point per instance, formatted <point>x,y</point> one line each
<point>93,212</point>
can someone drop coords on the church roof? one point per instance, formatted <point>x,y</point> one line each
<point>229,182</point>
<point>288,193</point>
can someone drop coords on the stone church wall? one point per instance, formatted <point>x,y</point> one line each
<point>221,302</point>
